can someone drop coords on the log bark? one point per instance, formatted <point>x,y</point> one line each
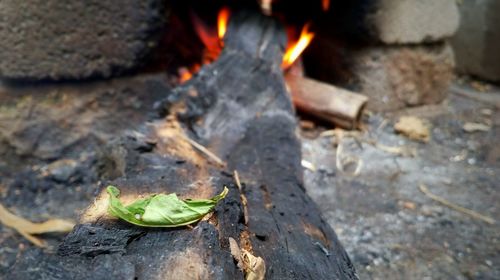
<point>239,109</point>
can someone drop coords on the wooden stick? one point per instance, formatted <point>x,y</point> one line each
<point>205,151</point>
<point>338,106</point>
<point>455,207</point>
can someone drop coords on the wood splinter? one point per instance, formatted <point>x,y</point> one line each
<point>338,106</point>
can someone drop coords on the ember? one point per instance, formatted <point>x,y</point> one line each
<point>184,74</point>
<point>325,4</point>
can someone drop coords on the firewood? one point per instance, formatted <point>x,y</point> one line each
<point>333,104</point>
<point>244,116</point>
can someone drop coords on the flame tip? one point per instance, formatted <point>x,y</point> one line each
<point>294,51</point>
<point>222,20</point>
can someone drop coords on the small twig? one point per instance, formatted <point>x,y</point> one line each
<point>383,124</point>
<point>455,207</point>
<point>237,179</point>
<point>397,150</point>
<point>243,198</point>
<point>308,165</point>
<point>208,153</point>
<point>327,133</point>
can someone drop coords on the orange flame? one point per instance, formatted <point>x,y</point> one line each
<point>325,4</point>
<point>184,75</point>
<point>222,20</point>
<point>211,38</point>
<point>293,52</point>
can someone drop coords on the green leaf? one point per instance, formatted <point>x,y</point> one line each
<point>161,210</point>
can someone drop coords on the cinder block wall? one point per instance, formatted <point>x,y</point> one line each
<point>399,56</point>
<point>477,42</point>
<point>72,40</point>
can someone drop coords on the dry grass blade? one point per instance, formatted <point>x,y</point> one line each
<point>400,151</point>
<point>27,228</point>
<point>455,207</point>
<point>205,151</point>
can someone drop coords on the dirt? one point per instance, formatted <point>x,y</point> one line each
<point>391,229</point>
<point>53,147</point>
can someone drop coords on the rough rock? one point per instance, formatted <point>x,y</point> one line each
<point>477,42</point>
<point>397,77</point>
<point>393,77</point>
<point>75,39</point>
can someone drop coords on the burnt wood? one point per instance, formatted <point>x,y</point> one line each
<point>239,109</point>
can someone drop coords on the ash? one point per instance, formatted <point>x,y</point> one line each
<point>390,228</point>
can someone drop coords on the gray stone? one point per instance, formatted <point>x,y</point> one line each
<point>414,21</point>
<point>477,42</point>
<point>57,40</point>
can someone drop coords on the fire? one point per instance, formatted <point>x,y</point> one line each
<point>222,20</point>
<point>184,74</point>
<point>266,6</point>
<point>325,4</point>
<point>294,51</point>
<point>213,40</point>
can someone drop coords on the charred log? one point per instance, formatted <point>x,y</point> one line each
<point>239,109</point>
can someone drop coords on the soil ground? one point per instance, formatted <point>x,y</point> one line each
<point>56,146</point>
<point>390,229</point>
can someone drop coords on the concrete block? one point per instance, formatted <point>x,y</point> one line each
<point>413,21</point>
<point>56,40</point>
<point>477,42</point>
